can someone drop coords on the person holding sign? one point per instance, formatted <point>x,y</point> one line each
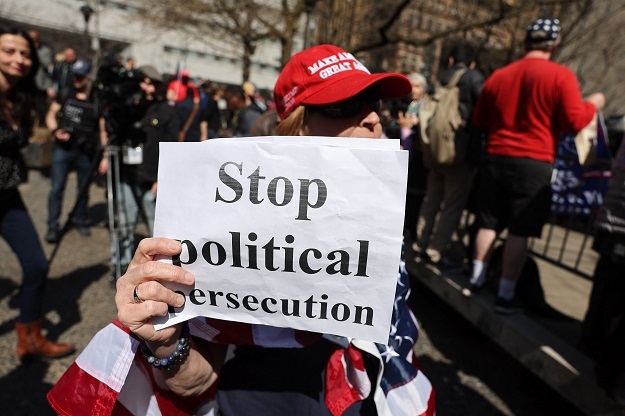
<point>322,91</point>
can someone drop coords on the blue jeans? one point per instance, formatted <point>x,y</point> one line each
<point>17,228</point>
<point>128,219</point>
<point>63,161</point>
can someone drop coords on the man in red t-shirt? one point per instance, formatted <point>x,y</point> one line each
<point>523,109</point>
<point>177,92</point>
<point>177,89</point>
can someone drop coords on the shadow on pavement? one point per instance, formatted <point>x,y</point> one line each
<point>24,389</point>
<point>478,378</point>
<point>25,386</point>
<point>62,295</point>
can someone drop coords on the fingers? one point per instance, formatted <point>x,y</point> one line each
<point>149,270</point>
<point>597,99</point>
<point>103,166</point>
<point>156,299</point>
<point>148,275</point>
<point>149,248</point>
<point>155,292</point>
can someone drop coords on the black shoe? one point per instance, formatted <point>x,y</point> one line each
<point>507,307</point>
<point>83,230</point>
<point>471,290</point>
<point>52,235</point>
<point>448,265</point>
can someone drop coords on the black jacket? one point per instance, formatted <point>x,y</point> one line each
<point>470,86</point>
<point>160,124</point>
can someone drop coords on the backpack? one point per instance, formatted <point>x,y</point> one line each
<point>441,124</point>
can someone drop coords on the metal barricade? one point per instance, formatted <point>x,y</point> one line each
<point>567,238</point>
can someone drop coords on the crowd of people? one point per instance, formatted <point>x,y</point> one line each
<point>133,107</point>
<point>505,148</point>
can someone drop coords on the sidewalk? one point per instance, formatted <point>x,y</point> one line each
<point>78,301</point>
<point>546,346</point>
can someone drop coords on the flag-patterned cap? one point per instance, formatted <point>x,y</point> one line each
<point>543,29</point>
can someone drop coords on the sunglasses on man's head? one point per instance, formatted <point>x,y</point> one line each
<point>350,107</point>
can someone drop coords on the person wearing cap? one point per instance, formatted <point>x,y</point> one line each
<point>177,91</point>
<point>77,127</point>
<point>322,91</point>
<point>177,88</point>
<point>524,107</point>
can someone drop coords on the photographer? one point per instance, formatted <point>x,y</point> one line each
<point>153,120</point>
<point>75,122</point>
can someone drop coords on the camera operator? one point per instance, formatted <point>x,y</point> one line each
<point>154,121</point>
<point>77,127</point>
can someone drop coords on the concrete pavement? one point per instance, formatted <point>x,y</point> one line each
<point>79,302</point>
<point>547,346</point>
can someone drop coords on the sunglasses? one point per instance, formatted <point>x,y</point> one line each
<point>350,107</point>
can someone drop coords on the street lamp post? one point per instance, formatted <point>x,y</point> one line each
<point>87,11</point>
<point>309,6</point>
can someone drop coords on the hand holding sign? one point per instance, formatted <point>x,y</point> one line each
<point>285,234</point>
<point>143,281</point>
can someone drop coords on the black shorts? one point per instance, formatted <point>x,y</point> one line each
<point>515,193</point>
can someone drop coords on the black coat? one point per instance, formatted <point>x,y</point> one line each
<point>160,124</point>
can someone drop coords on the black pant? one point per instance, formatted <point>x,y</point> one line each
<point>603,329</point>
<point>41,107</point>
<point>17,228</point>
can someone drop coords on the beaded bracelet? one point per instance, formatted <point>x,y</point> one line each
<point>175,358</point>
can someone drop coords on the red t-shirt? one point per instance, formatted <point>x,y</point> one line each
<point>180,90</point>
<point>524,107</point>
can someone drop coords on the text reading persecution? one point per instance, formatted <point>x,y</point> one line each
<point>309,308</point>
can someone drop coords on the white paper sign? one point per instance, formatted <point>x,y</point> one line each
<point>285,233</point>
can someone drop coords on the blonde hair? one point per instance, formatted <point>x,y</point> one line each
<point>294,124</point>
<point>266,124</point>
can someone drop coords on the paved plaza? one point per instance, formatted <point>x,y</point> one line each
<point>79,302</point>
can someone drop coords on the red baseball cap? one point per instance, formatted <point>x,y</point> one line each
<point>327,74</point>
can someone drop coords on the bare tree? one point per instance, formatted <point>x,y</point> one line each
<point>593,47</point>
<point>234,24</point>
<point>383,32</point>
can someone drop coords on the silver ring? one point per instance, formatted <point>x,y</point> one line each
<point>135,295</point>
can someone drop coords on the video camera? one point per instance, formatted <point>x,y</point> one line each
<point>118,90</point>
<point>388,118</point>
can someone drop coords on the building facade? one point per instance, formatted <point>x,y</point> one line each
<point>116,26</point>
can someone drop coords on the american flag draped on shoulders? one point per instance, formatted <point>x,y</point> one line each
<point>111,376</point>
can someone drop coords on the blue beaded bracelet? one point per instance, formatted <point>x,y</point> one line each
<point>175,358</point>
